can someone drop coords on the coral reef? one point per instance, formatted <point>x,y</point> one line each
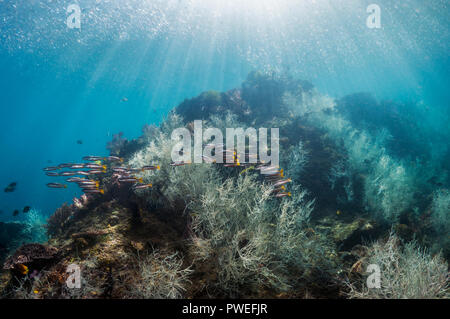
<point>56,222</point>
<point>121,146</point>
<point>14,234</point>
<point>406,272</point>
<point>160,277</point>
<point>31,255</point>
<point>210,231</point>
<point>117,144</point>
<point>255,245</point>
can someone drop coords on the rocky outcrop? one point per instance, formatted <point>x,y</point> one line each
<point>36,254</point>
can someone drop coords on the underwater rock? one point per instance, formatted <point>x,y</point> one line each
<point>212,102</point>
<point>114,220</point>
<point>36,254</point>
<point>56,222</point>
<point>91,234</point>
<point>117,144</point>
<point>260,98</point>
<point>405,232</point>
<point>148,131</point>
<point>122,147</point>
<point>349,235</point>
<point>264,92</point>
<point>365,112</point>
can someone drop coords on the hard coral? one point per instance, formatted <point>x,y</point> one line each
<point>30,253</point>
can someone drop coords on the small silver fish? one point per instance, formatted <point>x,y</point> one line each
<point>94,191</point>
<point>88,183</point>
<point>113,159</point>
<point>56,185</point>
<point>280,183</point>
<point>178,163</point>
<point>151,168</point>
<point>77,166</point>
<point>232,165</point>
<point>279,195</point>
<point>208,159</point>
<point>92,158</point>
<point>120,169</point>
<point>95,172</point>
<point>96,166</point>
<point>65,165</point>
<point>267,168</point>
<point>210,145</point>
<point>145,186</point>
<point>68,174</point>
<point>84,173</point>
<point>85,187</point>
<point>52,174</point>
<point>130,180</point>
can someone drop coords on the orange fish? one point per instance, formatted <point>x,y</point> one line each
<point>23,269</point>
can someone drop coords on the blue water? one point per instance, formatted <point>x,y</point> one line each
<point>60,85</point>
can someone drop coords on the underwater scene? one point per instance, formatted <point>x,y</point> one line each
<point>212,149</point>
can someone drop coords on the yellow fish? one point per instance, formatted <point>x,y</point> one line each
<point>247,169</point>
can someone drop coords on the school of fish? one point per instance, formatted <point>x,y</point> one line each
<point>88,176</point>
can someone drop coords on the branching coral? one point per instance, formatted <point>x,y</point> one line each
<point>441,211</point>
<point>57,221</point>
<point>241,238</point>
<point>307,103</point>
<point>177,184</point>
<point>297,160</point>
<point>389,188</point>
<point>389,183</point>
<point>149,132</point>
<point>161,277</point>
<point>340,175</point>
<point>230,120</point>
<point>406,272</point>
<point>238,224</point>
<point>440,217</point>
<point>35,227</point>
<point>256,238</point>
